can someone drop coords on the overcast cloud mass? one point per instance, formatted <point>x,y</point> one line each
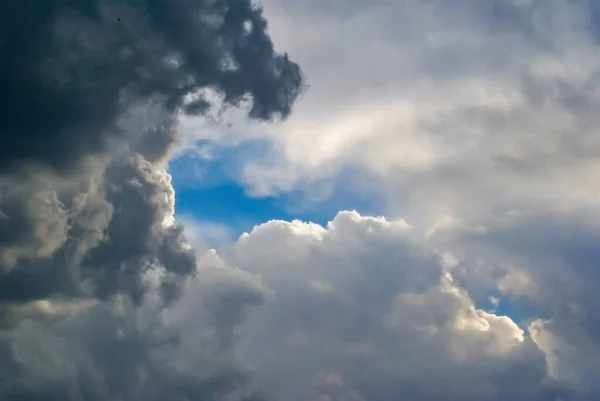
<point>474,122</point>
<point>90,254</point>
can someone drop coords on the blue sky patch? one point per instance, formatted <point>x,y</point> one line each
<point>209,190</point>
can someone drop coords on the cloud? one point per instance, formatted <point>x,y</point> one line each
<point>477,122</point>
<point>68,78</point>
<point>475,119</point>
<point>362,311</point>
<point>116,350</point>
<point>438,103</point>
<point>546,261</point>
<point>356,310</point>
<point>91,93</point>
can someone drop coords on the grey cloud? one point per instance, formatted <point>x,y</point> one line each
<point>143,199</point>
<point>30,223</point>
<point>68,77</point>
<point>440,100</point>
<point>115,229</point>
<point>545,262</point>
<point>355,311</point>
<point>91,260</point>
<point>116,350</point>
<point>91,95</point>
<point>499,99</point>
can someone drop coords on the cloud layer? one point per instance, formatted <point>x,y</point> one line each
<point>473,120</point>
<point>357,310</point>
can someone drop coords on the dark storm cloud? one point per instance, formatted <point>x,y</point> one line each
<point>90,94</point>
<point>103,81</point>
<point>98,240</point>
<point>70,68</point>
<point>33,223</point>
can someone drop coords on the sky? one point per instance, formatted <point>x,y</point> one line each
<point>232,200</point>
